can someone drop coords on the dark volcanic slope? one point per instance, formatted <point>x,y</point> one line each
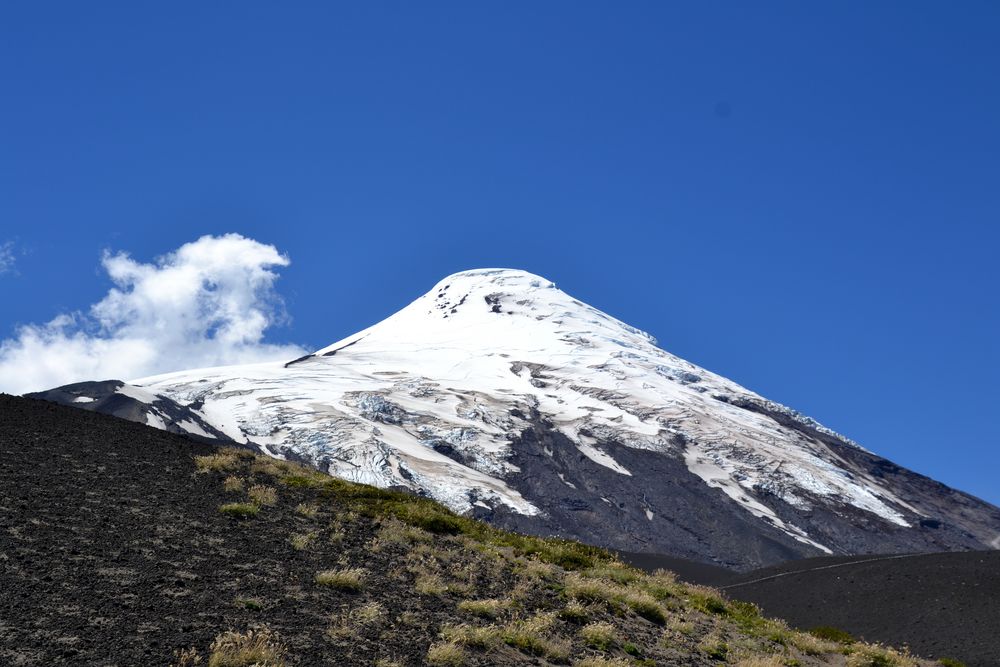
<point>941,605</point>
<point>114,553</point>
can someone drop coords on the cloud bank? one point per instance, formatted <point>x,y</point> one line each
<point>208,303</point>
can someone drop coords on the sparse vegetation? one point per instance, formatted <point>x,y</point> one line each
<point>593,592</point>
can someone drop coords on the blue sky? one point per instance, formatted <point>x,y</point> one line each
<point>802,198</point>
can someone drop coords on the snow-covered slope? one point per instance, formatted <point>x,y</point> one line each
<point>467,394</point>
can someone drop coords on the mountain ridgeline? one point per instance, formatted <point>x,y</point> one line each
<point>505,399</point>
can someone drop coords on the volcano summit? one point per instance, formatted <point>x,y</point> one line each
<point>503,397</point>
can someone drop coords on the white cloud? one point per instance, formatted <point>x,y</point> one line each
<point>7,257</point>
<point>206,304</point>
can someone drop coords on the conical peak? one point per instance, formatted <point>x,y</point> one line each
<point>481,294</point>
<point>510,280</point>
<point>493,309</point>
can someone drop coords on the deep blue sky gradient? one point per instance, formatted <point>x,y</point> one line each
<point>803,198</point>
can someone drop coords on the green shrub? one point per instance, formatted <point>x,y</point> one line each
<point>240,510</point>
<point>253,604</point>
<point>832,634</point>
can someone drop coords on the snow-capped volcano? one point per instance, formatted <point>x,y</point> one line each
<point>502,396</point>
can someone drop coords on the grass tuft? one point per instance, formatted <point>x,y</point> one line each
<point>301,541</point>
<point>603,662</point>
<point>645,605</point>
<point>533,636</point>
<point>187,657</point>
<point>263,495</point>
<point>483,638</point>
<point>574,612</point>
<point>347,579</point>
<point>489,608</point>
<point>429,583</point>
<point>445,655</point>
<point>307,510</point>
<point>218,462</point>
<point>598,635</point>
<point>255,648</point>
<point>232,484</point>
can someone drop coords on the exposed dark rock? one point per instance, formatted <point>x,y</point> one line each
<point>106,399</point>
